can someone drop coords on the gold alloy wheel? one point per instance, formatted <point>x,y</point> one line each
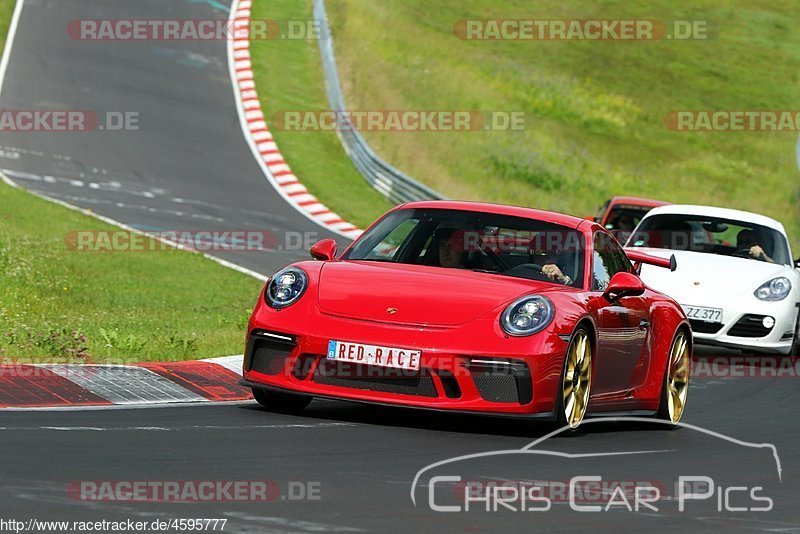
<point>678,377</point>
<point>577,379</point>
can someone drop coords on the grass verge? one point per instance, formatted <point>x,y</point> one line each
<point>58,304</point>
<point>595,110</point>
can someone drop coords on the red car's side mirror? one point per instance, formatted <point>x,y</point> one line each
<point>623,285</point>
<point>324,250</point>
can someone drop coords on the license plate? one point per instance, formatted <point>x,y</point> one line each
<point>394,357</point>
<point>701,313</point>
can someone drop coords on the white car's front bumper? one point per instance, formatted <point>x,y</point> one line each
<point>743,328</point>
<point>729,284</point>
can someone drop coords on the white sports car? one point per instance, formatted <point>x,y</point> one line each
<point>736,279</point>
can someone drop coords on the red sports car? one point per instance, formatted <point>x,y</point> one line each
<point>620,215</point>
<point>471,307</point>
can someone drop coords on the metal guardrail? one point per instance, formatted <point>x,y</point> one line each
<point>388,180</point>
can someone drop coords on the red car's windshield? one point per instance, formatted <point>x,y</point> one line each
<point>487,242</point>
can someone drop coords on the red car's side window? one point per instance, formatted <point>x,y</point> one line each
<point>608,259</point>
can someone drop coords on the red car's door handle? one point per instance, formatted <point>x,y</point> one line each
<point>644,324</point>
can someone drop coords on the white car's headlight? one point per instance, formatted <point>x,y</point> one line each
<point>775,289</point>
<point>286,287</point>
<point>527,316</point>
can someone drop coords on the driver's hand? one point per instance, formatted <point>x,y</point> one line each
<point>552,272</point>
<point>756,251</point>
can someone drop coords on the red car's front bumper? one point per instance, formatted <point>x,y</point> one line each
<point>471,368</point>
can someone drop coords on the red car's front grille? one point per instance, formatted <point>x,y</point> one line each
<point>268,355</point>
<point>349,375</point>
<point>506,381</point>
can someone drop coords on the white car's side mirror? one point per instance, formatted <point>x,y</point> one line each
<point>797,263</point>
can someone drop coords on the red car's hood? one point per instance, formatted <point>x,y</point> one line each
<point>419,294</point>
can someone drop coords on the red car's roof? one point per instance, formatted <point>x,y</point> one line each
<point>638,201</point>
<point>500,209</point>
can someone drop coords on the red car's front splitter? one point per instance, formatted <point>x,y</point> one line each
<point>518,385</point>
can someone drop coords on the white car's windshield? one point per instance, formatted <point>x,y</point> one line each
<point>712,235</point>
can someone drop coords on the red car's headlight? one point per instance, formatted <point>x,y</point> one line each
<point>527,316</point>
<point>286,287</point>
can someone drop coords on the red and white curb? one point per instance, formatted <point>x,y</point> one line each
<point>66,385</point>
<point>259,137</point>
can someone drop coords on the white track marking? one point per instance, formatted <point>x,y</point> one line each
<point>126,384</point>
<point>125,406</point>
<point>142,207</point>
<point>131,385</point>
<point>248,428</point>
<point>12,33</point>
<point>232,363</point>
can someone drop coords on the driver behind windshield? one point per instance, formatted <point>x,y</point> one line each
<point>748,240</point>
<point>623,223</point>
<point>450,255</point>
<point>547,260</point>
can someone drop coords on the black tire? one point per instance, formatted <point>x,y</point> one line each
<point>562,418</point>
<point>281,402</point>
<point>664,412</point>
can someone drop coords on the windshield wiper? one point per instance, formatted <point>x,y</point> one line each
<point>487,271</point>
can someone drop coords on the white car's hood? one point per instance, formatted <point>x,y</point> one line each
<point>705,278</point>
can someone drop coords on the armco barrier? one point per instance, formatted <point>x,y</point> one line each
<point>388,180</point>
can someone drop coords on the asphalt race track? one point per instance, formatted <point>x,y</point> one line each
<point>188,167</point>
<point>363,460</point>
